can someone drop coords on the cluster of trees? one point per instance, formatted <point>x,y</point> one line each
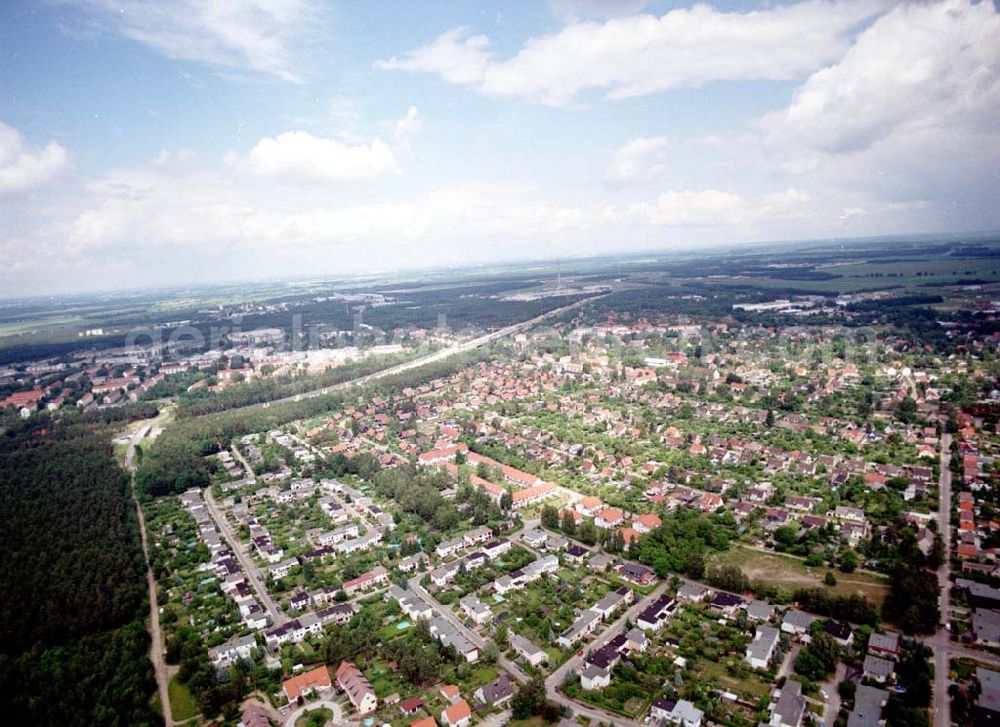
<point>202,401</point>
<point>529,700</point>
<point>912,603</point>
<point>418,493</point>
<point>854,608</point>
<point>816,660</point>
<point>897,543</point>
<point>908,707</point>
<point>73,646</point>
<point>682,540</point>
<point>586,532</point>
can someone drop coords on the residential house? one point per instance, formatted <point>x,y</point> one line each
<point>458,714</point>
<point>594,677</point>
<point>878,669</point>
<point>886,645</point>
<point>790,707</point>
<point>868,704</point>
<point>761,650</point>
<point>797,622</point>
<point>316,680</point>
<point>350,679</point>
<point>527,650</point>
<point>497,693</point>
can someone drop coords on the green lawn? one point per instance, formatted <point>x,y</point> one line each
<point>182,703</point>
<point>313,716</point>
<point>792,573</point>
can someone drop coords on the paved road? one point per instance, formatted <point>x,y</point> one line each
<point>249,567</point>
<point>833,695</point>
<point>242,460</point>
<point>496,720</point>
<point>788,663</point>
<point>557,677</point>
<point>940,641</point>
<point>156,648</point>
<point>516,671</point>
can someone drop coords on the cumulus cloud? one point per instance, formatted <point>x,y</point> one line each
<point>906,117</point>
<point>299,156</point>
<point>640,160</point>
<point>920,66</point>
<point>255,35</point>
<point>642,54</point>
<point>716,208</point>
<point>197,212</point>
<point>23,168</point>
<point>705,207</point>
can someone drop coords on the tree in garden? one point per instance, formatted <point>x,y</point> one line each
<point>694,566</point>
<point>848,562</point>
<point>819,657</point>
<point>912,602</point>
<point>568,523</point>
<point>550,517</point>
<point>587,532</point>
<point>529,699</point>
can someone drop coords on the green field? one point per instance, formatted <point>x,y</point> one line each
<point>182,703</point>
<point>791,573</point>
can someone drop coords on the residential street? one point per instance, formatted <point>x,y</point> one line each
<point>557,677</point>
<point>940,641</point>
<point>249,567</point>
<point>448,615</point>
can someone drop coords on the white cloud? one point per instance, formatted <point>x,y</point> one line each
<point>254,35</point>
<point>640,160</point>
<point>907,117</point>
<point>196,213</point>
<point>921,66</point>
<point>301,157</point>
<point>408,125</point>
<point>719,209</point>
<point>683,208</point>
<point>643,54</point>
<point>23,168</point>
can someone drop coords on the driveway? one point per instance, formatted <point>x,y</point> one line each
<point>338,713</point>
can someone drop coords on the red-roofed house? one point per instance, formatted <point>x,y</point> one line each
<point>646,522</point>
<point>457,715</point>
<point>315,680</point>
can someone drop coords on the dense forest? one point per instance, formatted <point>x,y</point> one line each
<point>73,645</point>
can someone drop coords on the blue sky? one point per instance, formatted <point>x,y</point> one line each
<point>151,142</point>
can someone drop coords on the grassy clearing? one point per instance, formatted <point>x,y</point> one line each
<point>792,573</point>
<point>182,703</point>
<point>322,712</point>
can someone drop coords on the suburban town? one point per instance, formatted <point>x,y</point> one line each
<point>565,363</point>
<point>604,518</point>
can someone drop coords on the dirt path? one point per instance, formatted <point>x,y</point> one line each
<point>156,651</point>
